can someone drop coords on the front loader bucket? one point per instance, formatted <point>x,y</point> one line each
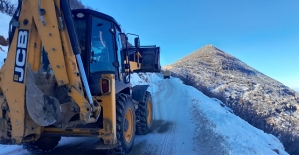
<point>43,109</point>
<point>150,61</point>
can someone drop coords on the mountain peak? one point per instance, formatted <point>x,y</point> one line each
<point>208,51</point>
<point>215,59</point>
<point>210,48</point>
<point>209,45</point>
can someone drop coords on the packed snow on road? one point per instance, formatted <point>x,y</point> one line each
<point>185,122</point>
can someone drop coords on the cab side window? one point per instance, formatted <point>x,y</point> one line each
<point>102,53</point>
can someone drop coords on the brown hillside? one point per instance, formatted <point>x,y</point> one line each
<point>255,97</point>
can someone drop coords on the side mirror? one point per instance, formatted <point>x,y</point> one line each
<point>137,42</point>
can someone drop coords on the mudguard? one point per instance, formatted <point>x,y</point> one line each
<point>138,92</point>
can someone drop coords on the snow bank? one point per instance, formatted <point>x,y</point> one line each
<point>150,79</point>
<point>239,136</point>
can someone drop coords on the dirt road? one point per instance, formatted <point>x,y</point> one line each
<point>176,129</point>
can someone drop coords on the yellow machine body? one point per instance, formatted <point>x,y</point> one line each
<point>35,102</point>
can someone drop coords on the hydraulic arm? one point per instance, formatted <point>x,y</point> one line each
<point>67,73</point>
<point>47,24</point>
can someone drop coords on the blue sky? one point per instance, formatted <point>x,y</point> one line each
<point>263,34</point>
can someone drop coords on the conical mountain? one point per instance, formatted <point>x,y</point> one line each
<point>255,97</point>
<point>215,59</point>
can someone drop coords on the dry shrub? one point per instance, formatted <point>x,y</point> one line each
<point>3,41</point>
<point>7,7</point>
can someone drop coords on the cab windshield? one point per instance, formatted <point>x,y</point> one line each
<point>102,52</point>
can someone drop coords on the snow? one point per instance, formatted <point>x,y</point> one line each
<point>239,136</point>
<point>185,122</point>
<point>147,79</point>
<point>4,31</point>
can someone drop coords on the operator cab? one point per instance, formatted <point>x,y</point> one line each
<point>100,40</point>
<point>104,49</point>
<point>98,35</point>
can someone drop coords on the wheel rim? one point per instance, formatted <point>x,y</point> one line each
<point>128,125</point>
<point>149,112</point>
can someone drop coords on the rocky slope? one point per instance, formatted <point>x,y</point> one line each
<point>255,97</point>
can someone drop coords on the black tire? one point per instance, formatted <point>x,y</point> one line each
<point>43,144</point>
<point>125,128</point>
<point>144,114</point>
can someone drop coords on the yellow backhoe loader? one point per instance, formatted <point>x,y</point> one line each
<point>67,73</point>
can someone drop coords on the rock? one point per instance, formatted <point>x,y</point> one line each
<point>276,150</point>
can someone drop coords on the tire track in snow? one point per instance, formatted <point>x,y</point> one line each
<point>158,141</point>
<point>173,115</point>
<point>167,146</point>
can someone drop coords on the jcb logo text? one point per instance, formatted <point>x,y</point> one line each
<point>21,54</point>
